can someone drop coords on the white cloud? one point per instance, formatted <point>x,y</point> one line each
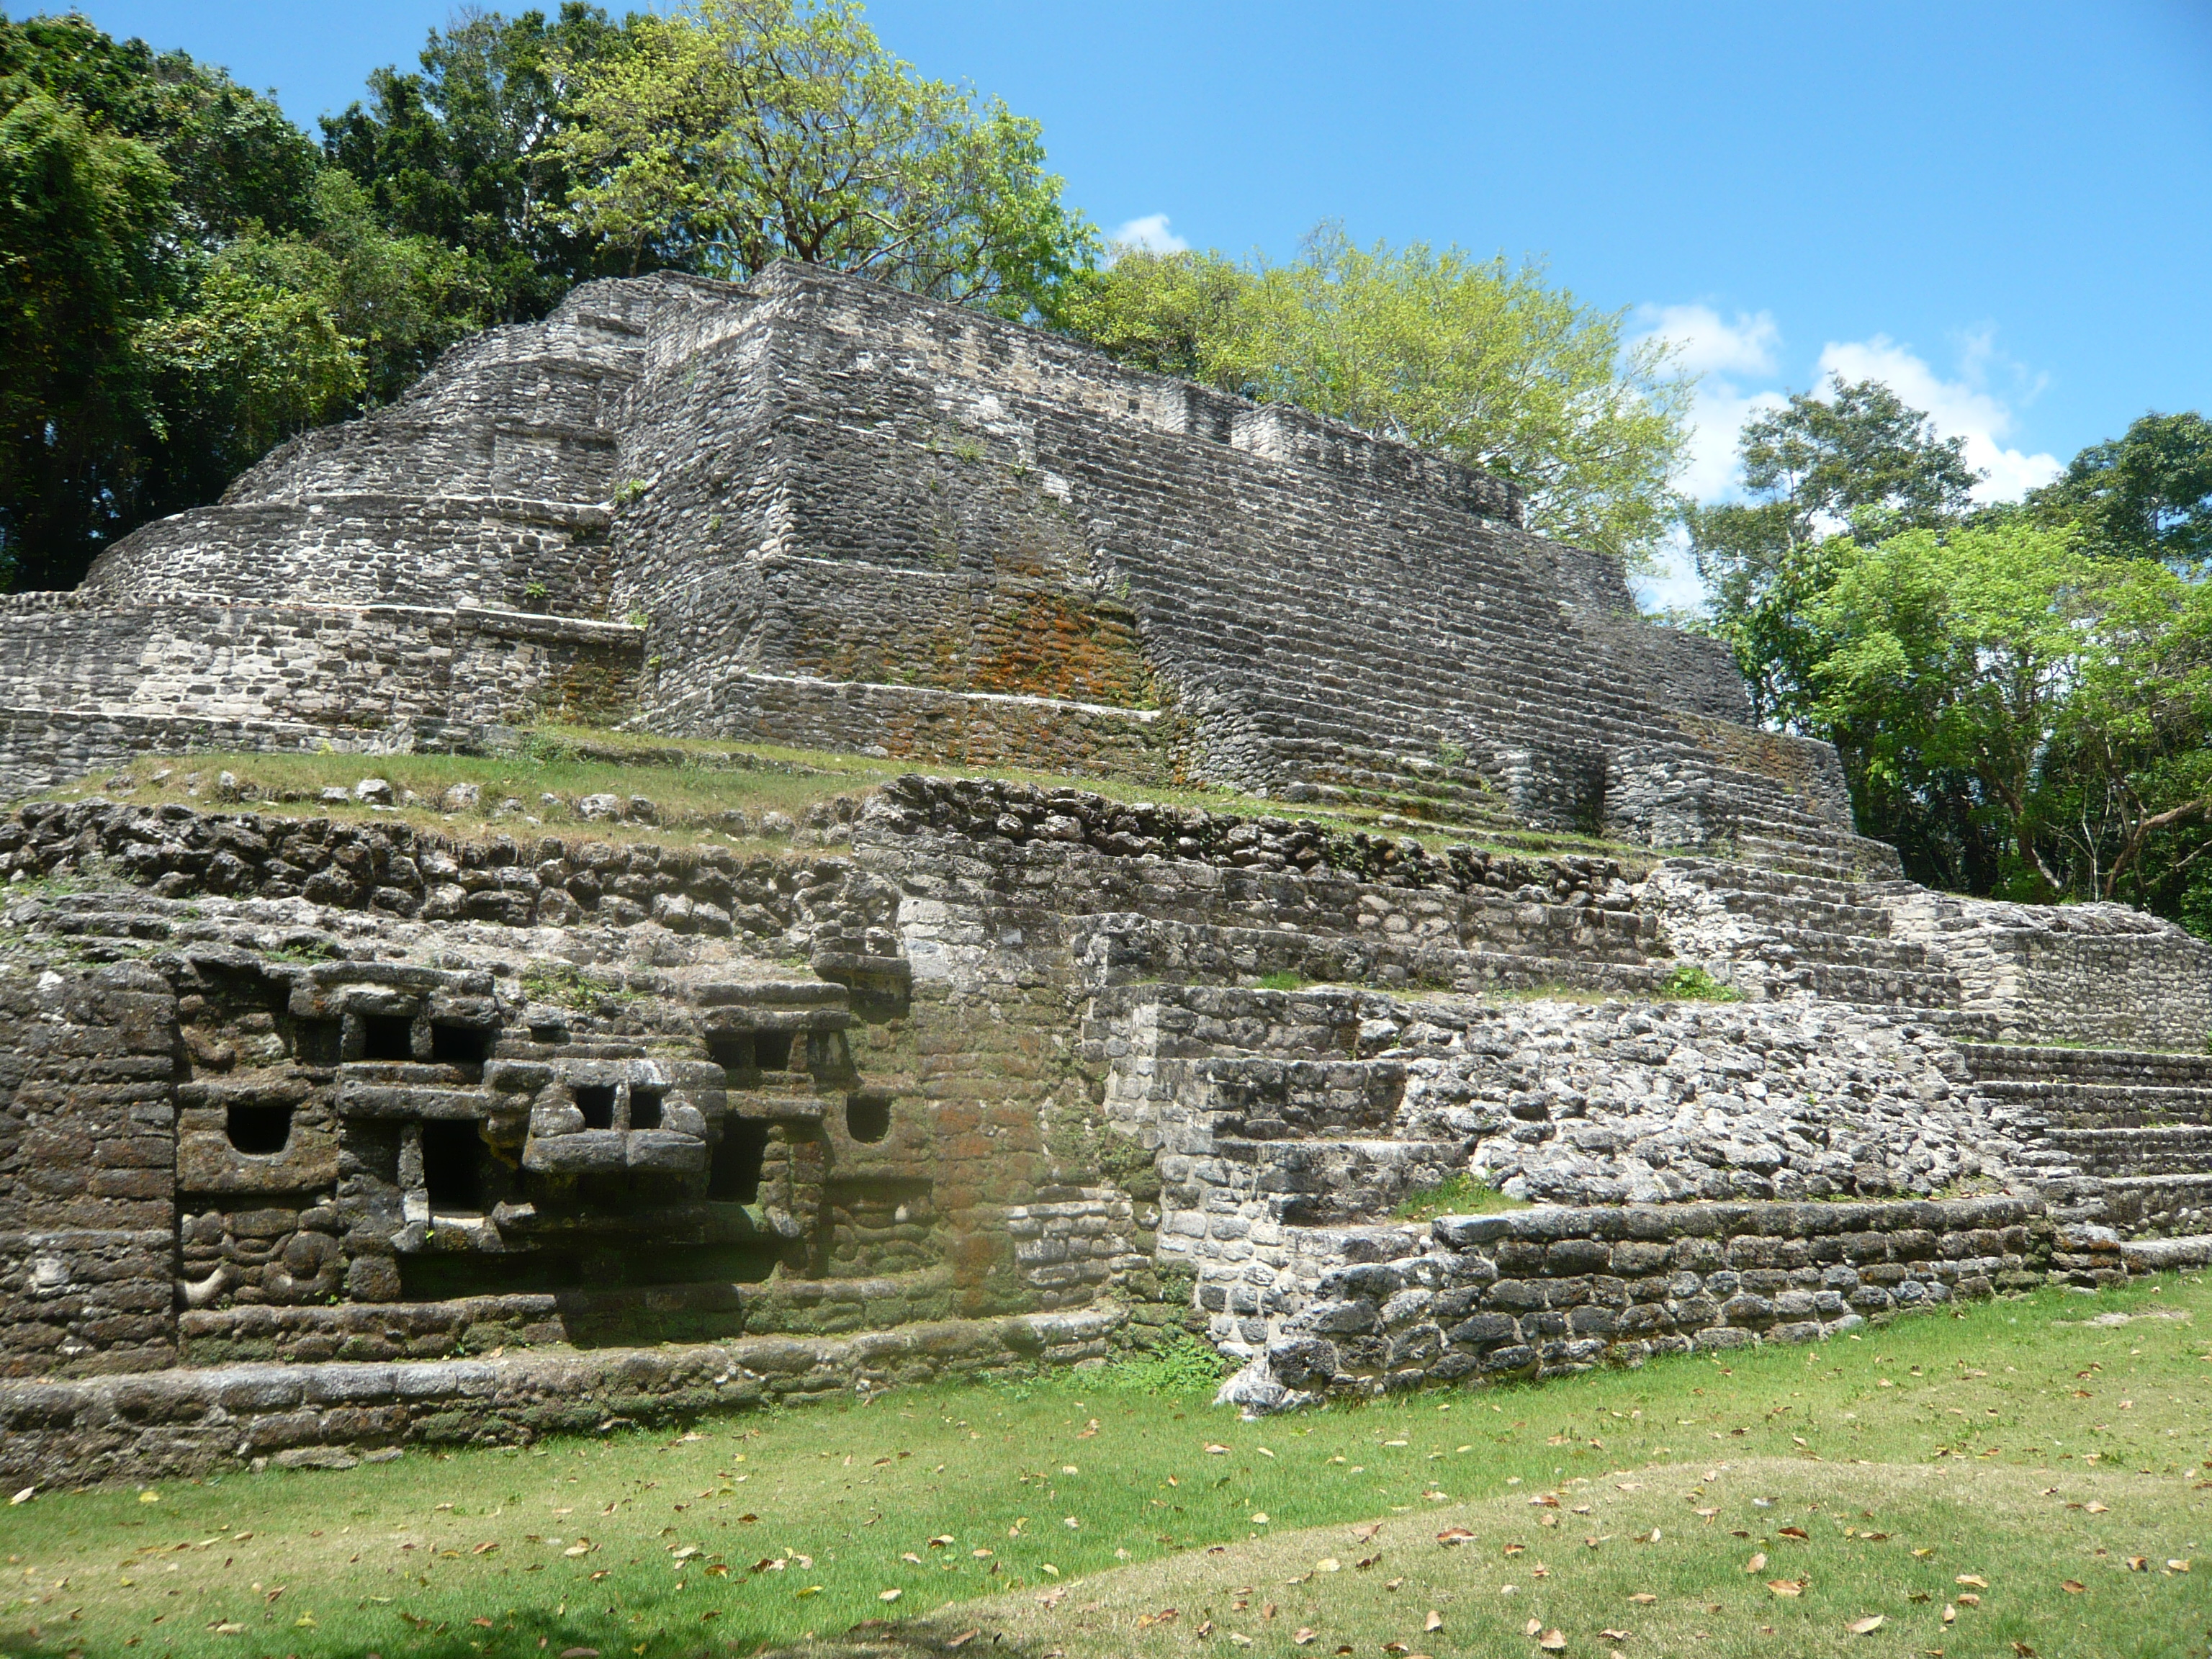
<point>1150,234</point>
<point>1705,343</point>
<point>1674,586</point>
<point>1964,408</point>
<point>1711,347</point>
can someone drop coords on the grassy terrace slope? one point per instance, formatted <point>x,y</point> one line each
<point>2043,1446</point>
<point>695,784</point>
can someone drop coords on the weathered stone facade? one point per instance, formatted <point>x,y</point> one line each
<point>318,1139</point>
<point>816,511</point>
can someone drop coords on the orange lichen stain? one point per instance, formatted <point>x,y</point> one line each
<point>1049,644</point>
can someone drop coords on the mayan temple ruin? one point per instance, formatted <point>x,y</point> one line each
<point>328,1132</point>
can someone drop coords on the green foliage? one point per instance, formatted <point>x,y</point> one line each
<point>1478,360</point>
<point>1691,983</point>
<point>1184,1364</point>
<point>744,131</point>
<point>1282,982</point>
<point>2145,494</point>
<point>1857,459</point>
<point>184,289</point>
<point>2021,696</point>
<point>1460,1195</point>
<point>464,153</point>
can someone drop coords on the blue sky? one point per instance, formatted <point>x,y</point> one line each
<point>2004,210</point>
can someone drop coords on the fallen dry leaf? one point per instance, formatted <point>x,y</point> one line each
<point>2073,1586</point>
<point>1303,1636</point>
<point>2098,1509</point>
<point>1434,1622</point>
<point>1756,1562</point>
<point>1363,1534</point>
<point>1458,1535</point>
<point>1552,1641</point>
<point>1973,1578</point>
<point>1535,1626</point>
<point>1785,1587</point>
<point>2177,1566</point>
<point>2138,1564</point>
<point>1644,1598</point>
<point>889,1595</point>
<point>1866,1626</point>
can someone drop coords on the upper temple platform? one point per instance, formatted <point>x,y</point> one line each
<point>815,511</point>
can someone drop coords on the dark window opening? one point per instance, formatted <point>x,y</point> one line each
<point>388,1036</point>
<point>644,1108</point>
<point>867,1117</point>
<point>458,1045</point>
<point>735,1175</point>
<point>596,1101</point>
<point>732,1054</point>
<point>772,1050</point>
<point>315,1043</point>
<point>258,1129</point>
<point>450,1151</point>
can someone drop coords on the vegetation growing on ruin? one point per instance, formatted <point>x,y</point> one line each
<point>699,785</point>
<point>1460,1195</point>
<point>1691,983</point>
<point>1750,1503</point>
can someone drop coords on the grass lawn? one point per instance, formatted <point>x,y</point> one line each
<point>2057,1461</point>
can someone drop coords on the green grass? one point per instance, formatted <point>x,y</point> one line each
<point>2014,1443</point>
<point>691,782</point>
<point>1460,1195</point>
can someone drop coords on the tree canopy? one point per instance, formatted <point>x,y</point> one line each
<point>1481,360</point>
<point>744,131</point>
<point>2021,696</point>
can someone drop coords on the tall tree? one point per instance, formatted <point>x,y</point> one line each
<point>182,284</point>
<point>1476,358</point>
<point>463,151</point>
<point>2145,494</point>
<point>120,170</point>
<point>1857,461</point>
<point>745,131</point>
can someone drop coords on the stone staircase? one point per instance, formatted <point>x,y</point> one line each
<point>2128,1134</point>
<point>1775,929</point>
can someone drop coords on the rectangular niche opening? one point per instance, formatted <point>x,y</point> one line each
<point>734,1053</point>
<point>772,1050</point>
<point>451,1149</point>
<point>257,1130</point>
<point>316,1041</point>
<point>596,1101</point>
<point>645,1108</point>
<point>734,1176</point>
<point>388,1036</point>
<point>459,1045</point>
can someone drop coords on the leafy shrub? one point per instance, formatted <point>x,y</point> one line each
<point>1460,1195</point>
<point>1691,983</point>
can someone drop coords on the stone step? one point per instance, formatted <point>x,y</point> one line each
<point>2035,1062</point>
<point>1318,1182</point>
<point>2152,1150</point>
<point>2094,1105</point>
